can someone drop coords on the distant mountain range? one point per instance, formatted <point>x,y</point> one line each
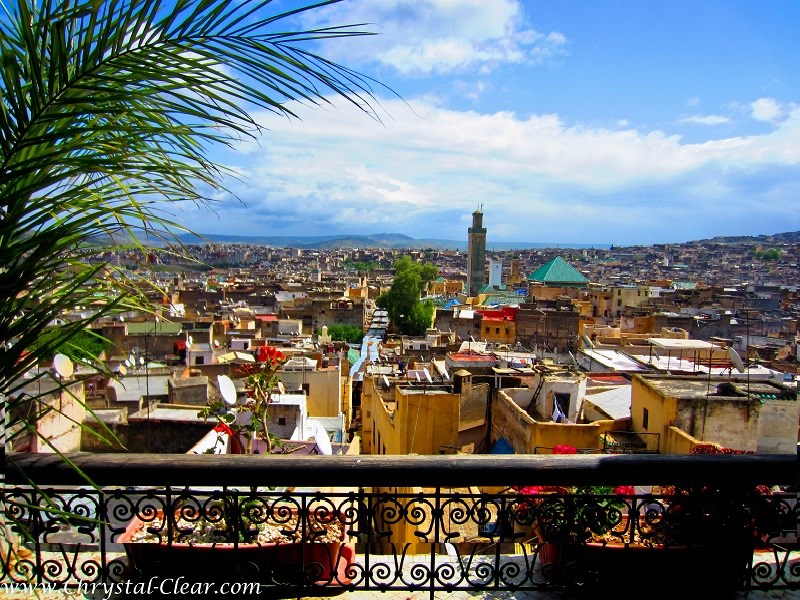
<point>379,240</point>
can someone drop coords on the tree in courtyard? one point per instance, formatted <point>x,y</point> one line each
<point>352,334</point>
<point>108,109</point>
<point>407,311</point>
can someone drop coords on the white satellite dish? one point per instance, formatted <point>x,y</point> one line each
<point>416,374</point>
<point>321,437</point>
<point>190,342</point>
<point>216,343</point>
<point>227,389</point>
<point>121,319</point>
<point>445,374</point>
<point>736,360</point>
<point>281,388</point>
<point>386,381</point>
<point>141,360</point>
<point>122,370</point>
<point>63,366</point>
<point>427,374</point>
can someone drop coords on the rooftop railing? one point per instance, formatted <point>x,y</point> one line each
<point>310,526</point>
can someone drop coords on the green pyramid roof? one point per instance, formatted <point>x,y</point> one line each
<point>558,271</point>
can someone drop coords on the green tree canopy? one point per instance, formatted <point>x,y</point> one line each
<point>346,333</point>
<point>407,311</point>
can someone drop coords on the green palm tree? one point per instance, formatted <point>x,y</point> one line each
<point>108,109</point>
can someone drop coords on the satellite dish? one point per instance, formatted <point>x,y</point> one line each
<point>736,360</point>
<point>216,343</point>
<point>63,366</point>
<point>427,374</point>
<point>189,342</point>
<point>121,319</point>
<point>281,388</point>
<point>416,374</point>
<point>131,362</point>
<point>122,370</point>
<point>321,437</point>
<point>227,389</point>
<point>386,381</point>
<point>141,360</point>
<point>445,374</point>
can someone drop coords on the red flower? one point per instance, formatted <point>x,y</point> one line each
<point>533,490</point>
<point>223,428</point>
<point>271,355</point>
<point>564,449</point>
<point>624,490</point>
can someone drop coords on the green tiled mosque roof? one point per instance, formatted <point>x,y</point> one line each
<point>558,271</point>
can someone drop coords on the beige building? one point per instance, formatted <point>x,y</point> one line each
<point>419,418</point>
<point>759,416</point>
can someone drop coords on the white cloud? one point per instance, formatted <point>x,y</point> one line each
<point>706,120</point>
<point>765,109</point>
<point>439,36</point>
<point>340,171</point>
<point>691,102</point>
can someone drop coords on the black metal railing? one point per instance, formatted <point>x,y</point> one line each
<point>304,526</point>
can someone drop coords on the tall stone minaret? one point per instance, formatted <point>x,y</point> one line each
<point>476,253</point>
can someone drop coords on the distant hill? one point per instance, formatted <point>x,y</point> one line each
<point>789,237</point>
<point>380,240</point>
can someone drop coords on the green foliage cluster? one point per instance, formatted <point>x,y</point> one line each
<point>365,266</point>
<point>407,311</point>
<point>108,109</point>
<point>771,254</point>
<point>346,333</point>
<point>84,346</point>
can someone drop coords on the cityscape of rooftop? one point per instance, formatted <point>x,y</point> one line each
<point>472,298</point>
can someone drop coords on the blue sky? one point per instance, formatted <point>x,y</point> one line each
<point>570,122</point>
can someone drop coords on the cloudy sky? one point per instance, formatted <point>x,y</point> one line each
<point>599,121</point>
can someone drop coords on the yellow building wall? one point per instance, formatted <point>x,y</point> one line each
<point>579,435</point>
<point>677,441</point>
<point>323,384</point>
<point>507,333</point>
<point>419,424</point>
<point>425,423</point>
<point>661,410</point>
<point>525,434</point>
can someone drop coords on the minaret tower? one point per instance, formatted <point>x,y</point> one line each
<point>476,253</point>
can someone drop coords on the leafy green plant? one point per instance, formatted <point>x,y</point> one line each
<point>408,312</point>
<point>108,109</point>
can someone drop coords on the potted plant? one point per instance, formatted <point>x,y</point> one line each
<point>670,540</point>
<point>240,537</point>
<point>268,538</point>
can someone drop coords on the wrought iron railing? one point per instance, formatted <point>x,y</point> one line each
<point>311,525</point>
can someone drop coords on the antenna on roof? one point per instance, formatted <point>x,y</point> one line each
<point>736,360</point>
<point>227,389</point>
<point>63,366</point>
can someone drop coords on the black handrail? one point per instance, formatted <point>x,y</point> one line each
<point>399,471</point>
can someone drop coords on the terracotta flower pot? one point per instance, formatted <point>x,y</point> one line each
<point>280,563</point>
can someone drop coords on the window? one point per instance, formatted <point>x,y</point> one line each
<point>281,420</point>
<point>497,330</point>
<point>645,418</point>
<point>199,360</point>
<point>562,402</point>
